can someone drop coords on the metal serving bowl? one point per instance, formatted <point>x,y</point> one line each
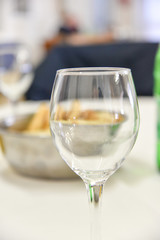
<point>32,155</point>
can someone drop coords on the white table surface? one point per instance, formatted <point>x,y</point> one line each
<point>34,209</point>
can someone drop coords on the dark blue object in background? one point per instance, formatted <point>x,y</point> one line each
<point>139,57</point>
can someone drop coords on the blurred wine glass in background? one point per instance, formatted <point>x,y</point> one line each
<point>16,71</point>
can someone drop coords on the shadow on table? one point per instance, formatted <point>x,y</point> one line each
<point>12,177</point>
<point>133,171</point>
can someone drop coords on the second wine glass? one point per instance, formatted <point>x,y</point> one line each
<point>16,71</point>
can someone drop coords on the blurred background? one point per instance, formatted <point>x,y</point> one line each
<point>43,25</point>
<point>35,22</point>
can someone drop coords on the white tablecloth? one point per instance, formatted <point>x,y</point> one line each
<point>34,209</point>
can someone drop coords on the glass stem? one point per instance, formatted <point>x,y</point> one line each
<point>95,203</point>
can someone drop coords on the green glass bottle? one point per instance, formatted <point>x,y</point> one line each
<point>156,75</point>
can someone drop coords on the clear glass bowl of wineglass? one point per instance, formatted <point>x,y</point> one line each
<point>94,119</point>
<point>16,70</point>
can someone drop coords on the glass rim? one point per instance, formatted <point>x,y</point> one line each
<point>93,71</point>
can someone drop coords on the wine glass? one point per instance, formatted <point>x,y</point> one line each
<point>16,71</point>
<point>94,119</point>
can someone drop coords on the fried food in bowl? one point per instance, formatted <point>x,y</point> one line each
<point>28,145</point>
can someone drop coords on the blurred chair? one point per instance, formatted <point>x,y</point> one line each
<point>139,57</point>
